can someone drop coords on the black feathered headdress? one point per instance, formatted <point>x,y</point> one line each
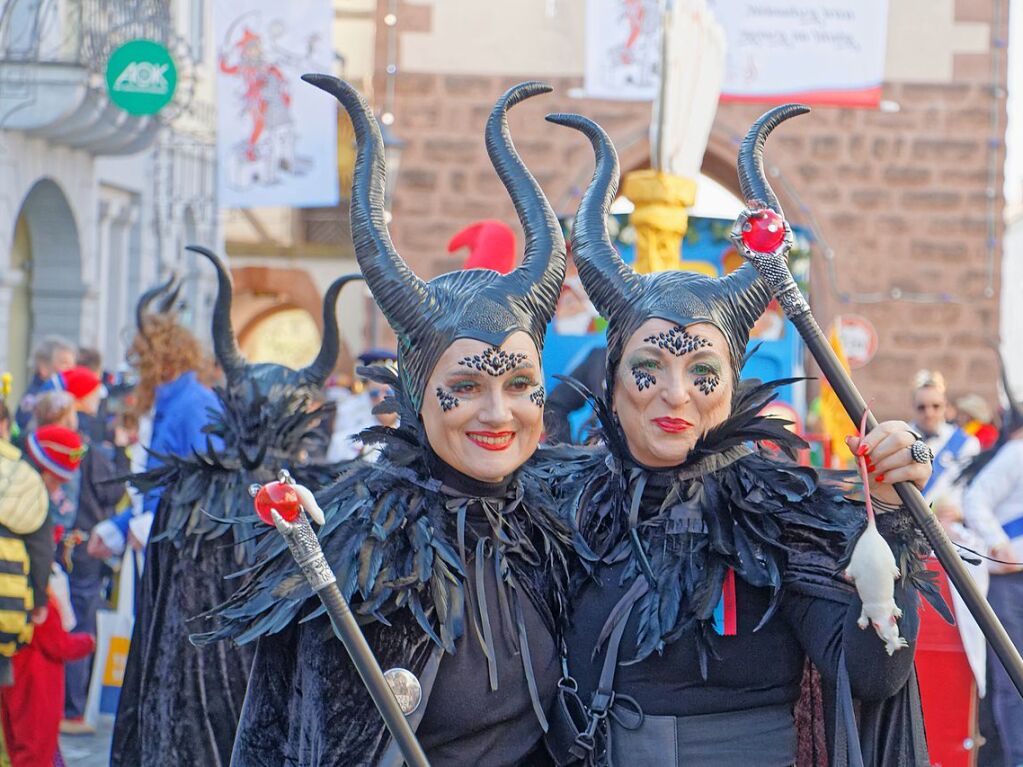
<point>481,304</point>
<point>626,298</point>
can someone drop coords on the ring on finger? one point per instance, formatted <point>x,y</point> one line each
<point>921,452</point>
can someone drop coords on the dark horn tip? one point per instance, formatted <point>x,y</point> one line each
<point>319,80</point>
<point>523,91</point>
<point>201,250</point>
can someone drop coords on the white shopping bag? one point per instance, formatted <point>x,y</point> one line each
<point>113,637</point>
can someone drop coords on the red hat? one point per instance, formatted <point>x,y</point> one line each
<point>80,382</point>
<point>56,449</point>
<point>491,246</point>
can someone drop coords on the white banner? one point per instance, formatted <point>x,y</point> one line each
<point>825,52</point>
<point>623,49</point>
<point>276,135</point>
<point>816,51</point>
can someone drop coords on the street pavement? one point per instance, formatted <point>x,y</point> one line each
<point>88,750</point>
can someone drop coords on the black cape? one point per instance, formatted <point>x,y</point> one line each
<point>179,704</point>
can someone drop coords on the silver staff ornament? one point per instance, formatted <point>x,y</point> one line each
<point>396,694</point>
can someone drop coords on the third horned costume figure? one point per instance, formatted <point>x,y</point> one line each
<point>179,704</point>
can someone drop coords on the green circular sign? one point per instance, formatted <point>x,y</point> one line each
<point>141,77</point>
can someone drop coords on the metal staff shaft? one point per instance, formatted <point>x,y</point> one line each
<point>305,548</point>
<point>774,271</point>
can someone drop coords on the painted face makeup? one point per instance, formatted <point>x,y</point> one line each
<point>486,417</point>
<point>673,384</point>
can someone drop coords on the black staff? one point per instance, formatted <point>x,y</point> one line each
<point>305,548</point>
<point>764,238</point>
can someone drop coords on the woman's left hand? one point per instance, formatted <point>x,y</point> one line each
<point>889,460</point>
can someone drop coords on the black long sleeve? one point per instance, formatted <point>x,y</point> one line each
<point>40,549</point>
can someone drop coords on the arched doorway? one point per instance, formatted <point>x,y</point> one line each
<point>46,276</point>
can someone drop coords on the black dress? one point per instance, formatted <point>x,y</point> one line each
<point>727,573</point>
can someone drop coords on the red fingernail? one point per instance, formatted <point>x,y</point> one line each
<point>862,450</point>
<point>880,477</point>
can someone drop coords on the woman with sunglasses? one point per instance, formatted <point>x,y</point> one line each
<point>718,572</point>
<point>444,547</point>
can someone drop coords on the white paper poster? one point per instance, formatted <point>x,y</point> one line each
<point>276,135</point>
<point>815,51</point>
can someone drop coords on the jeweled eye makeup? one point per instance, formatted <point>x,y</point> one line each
<point>537,396</point>
<point>494,361</point>
<point>708,376</point>
<point>642,368</point>
<point>677,341</point>
<point>448,401</point>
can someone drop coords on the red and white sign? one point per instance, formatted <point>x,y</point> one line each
<point>859,339</point>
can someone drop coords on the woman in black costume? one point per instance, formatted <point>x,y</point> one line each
<point>718,568</point>
<point>446,550</point>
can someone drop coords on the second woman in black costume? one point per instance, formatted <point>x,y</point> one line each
<point>718,570</point>
<point>447,551</point>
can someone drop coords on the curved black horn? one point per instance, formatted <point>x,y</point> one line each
<point>146,299</point>
<point>316,372</point>
<point>401,295</point>
<point>756,191</point>
<point>224,344</point>
<point>167,302</point>
<point>543,263</point>
<point>608,280</point>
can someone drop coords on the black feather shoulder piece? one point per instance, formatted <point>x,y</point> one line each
<point>398,540</point>
<point>734,504</point>
<point>254,434</point>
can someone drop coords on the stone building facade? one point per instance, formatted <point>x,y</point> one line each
<point>906,201</point>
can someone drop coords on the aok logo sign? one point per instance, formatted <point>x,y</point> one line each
<point>141,77</point>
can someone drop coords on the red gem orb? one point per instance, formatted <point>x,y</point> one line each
<point>764,231</point>
<point>279,496</point>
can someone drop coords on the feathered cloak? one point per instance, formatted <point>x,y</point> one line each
<point>179,704</point>
<point>396,538</point>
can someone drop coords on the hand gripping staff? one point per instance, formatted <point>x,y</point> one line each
<point>763,237</point>
<point>281,504</point>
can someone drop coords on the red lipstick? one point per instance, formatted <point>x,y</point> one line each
<point>491,440</point>
<point>673,425</point>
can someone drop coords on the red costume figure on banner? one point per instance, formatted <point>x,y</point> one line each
<point>32,708</point>
<point>265,89</point>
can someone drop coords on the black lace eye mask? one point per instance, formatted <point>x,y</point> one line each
<point>494,361</point>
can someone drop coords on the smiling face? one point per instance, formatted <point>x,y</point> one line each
<point>483,407</point>
<point>672,385</point>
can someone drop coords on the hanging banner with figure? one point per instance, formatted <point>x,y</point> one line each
<point>623,49</point>
<point>276,135</point>
<point>819,52</point>
<point>823,52</point>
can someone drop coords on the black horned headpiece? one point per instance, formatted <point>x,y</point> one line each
<point>266,374</point>
<point>627,299</point>
<point>481,304</point>
<point>1012,421</point>
<point>167,293</point>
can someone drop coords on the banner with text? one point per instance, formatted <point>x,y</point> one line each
<point>821,52</point>
<point>276,135</point>
<point>826,52</point>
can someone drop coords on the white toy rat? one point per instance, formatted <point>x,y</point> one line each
<point>873,570</point>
